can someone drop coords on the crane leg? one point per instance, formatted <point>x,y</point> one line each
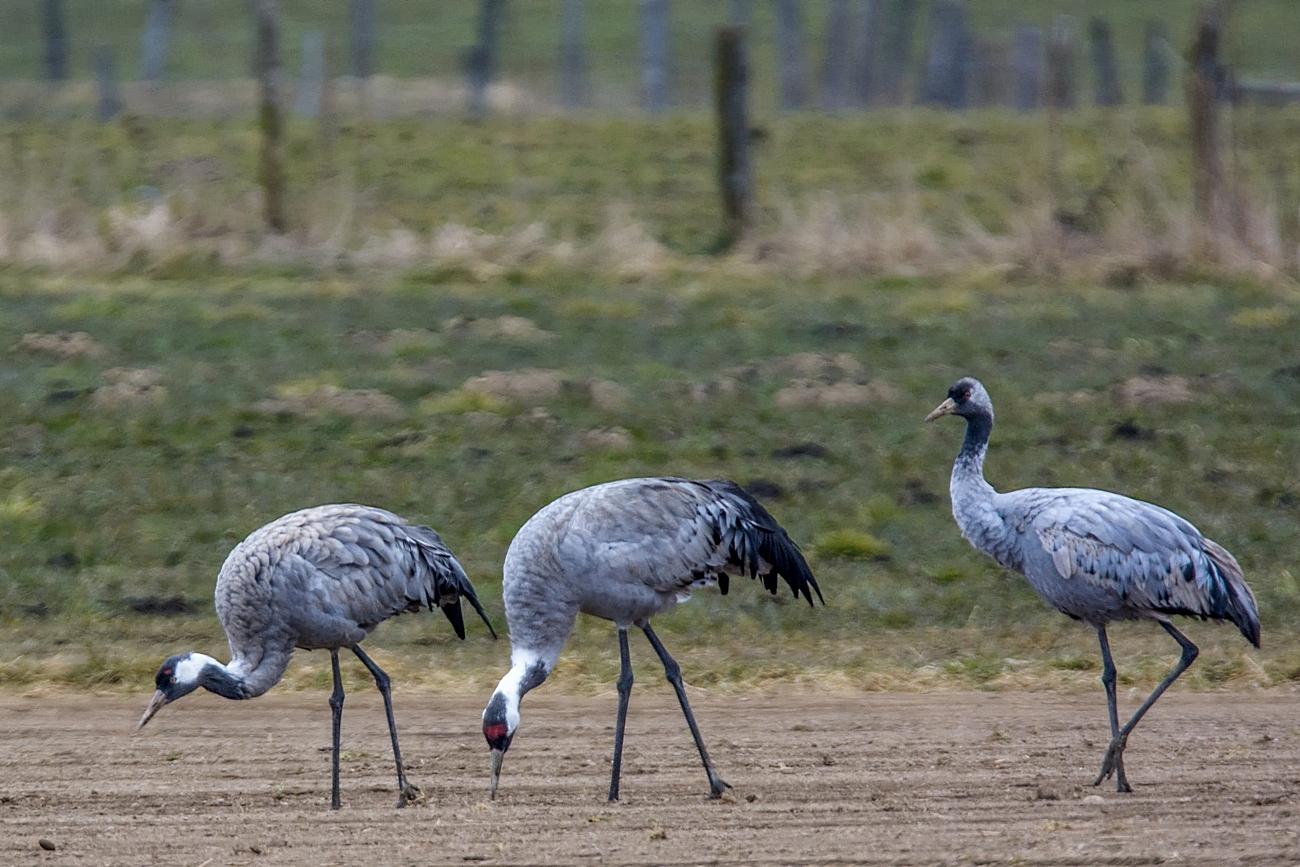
<point>405,791</point>
<point>624,694</point>
<point>1108,678</point>
<point>674,674</point>
<point>1115,754</point>
<point>336,705</point>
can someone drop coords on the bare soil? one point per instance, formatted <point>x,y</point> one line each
<point>819,778</point>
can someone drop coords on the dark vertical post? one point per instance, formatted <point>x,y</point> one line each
<point>866,49</point>
<point>899,54</point>
<point>153,43</point>
<point>271,165</point>
<point>55,35</point>
<point>109,104</point>
<point>1155,64</point>
<point>311,82</point>
<point>730,90</point>
<point>1027,67</point>
<point>361,39</point>
<point>946,69</point>
<point>1062,92</point>
<point>989,76</point>
<point>1104,71</point>
<point>480,64</point>
<point>656,87</point>
<point>573,62</point>
<point>789,52</point>
<point>835,68</point>
<point>1201,82</point>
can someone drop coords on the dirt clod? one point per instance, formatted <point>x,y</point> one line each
<point>47,845</point>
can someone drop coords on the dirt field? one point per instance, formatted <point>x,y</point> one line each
<point>819,779</point>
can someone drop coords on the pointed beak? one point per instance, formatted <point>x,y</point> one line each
<point>155,704</point>
<point>497,756</point>
<point>945,408</point>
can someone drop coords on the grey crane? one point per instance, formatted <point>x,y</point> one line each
<point>1095,556</point>
<point>626,551</point>
<point>321,579</point>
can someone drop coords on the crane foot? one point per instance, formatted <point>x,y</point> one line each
<point>717,788</point>
<point>408,795</point>
<point>1113,765</point>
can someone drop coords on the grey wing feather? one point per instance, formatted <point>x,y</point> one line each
<point>1151,558</point>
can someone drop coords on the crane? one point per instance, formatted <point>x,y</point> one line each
<point>1095,556</point>
<point>626,551</point>
<point>321,579</point>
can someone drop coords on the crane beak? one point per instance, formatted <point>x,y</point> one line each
<point>155,704</point>
<point>497,756</point>
<point>945,408</point>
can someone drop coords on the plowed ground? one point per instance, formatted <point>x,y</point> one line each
<point>819,779</point>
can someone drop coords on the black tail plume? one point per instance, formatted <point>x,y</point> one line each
<point>767,539</point>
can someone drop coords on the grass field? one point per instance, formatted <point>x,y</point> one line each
<point>417,39</point>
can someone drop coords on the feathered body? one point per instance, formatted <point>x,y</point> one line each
<point>625,551</point>
<point>1096,556</point>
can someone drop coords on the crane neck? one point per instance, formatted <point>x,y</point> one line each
<point>527,671</point>
<point>970,460</point>
<point>242,678</point>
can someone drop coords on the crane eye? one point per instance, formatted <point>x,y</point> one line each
<point>173,680</point>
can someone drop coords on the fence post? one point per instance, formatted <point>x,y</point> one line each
<point>361,39</point>
<point>153,42</point>
<point>899,54</point>
<point>865,49</point>
<point>1201,82</point>
<point>835,69</point>
<point>947,68</point>
<point>1062,91</point>
<point>573,62</point>
<point>1027,66</point>
<point>480,63</point>
<point>730,87</point>
<point>1106,90</point>
<point>55,37</point>
<point>109,104</point>
<point>271,168</point>
<point>789,52</point>
<point>1155,64</point>
<point>311,82</point>
<point>656,87</point>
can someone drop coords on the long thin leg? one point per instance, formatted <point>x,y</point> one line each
<point>1108,678</point>
<point>674,674</point>
<point>1115,754</point>
<point>624,694</point>
<point>405,791</point>
<point>336,705</point>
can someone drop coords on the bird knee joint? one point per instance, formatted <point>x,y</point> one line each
<point>625,682</point>
<point>672,671</point>
<point>336,700</point>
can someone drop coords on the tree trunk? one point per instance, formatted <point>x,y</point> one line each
<point>1105,72</point>
<point>730,86</point>
<point>1155,64</point>
<point>153,44</point>
<point>481,62</point>
<point>990,75</point>
<point>947,68</point>
<point>109,104</point>
<point>1062,88</point>
<point>789,51</point>
<point>311,82</point>
<point>1027,67</point>
<point>839,45</point>
<point>656,85</point>
<point>55,35</point>
<point>1201,82</point>
<point>866,53</point>
<point>573,62</point>
<point>899,51</point>
<point>271,169</point>
<point>361,39</point>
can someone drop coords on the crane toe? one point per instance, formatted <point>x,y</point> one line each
<point>1113,765</point>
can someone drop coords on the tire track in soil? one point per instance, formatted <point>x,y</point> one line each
<point>871,778</point>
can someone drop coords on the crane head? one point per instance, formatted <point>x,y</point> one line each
<point>178,676</point>
<point>967,398</point>
<point>498,732</point>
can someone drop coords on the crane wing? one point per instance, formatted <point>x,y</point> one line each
<point>1150,557</point>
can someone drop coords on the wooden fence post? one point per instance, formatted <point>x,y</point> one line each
<point>866,53</point>
<point>948,65</point>
<point>55,37</point>
<point>1155,64</point>
<point>656,85</point>
<point>1027,66</point>
<point>311,81</point>
<point>573,61</point>
<point>1201,83</point>
<point>153,42</point>
<point>109,104</point>
<point>730,90</point>
<point>1105,74</point>
<point>1062,89</point>
<point>789,53</point>
<point>271,170</point>
<point>836,64</point>
<point>480,63</point>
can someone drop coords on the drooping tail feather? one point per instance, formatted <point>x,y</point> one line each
<point>450,583</point>
<point>1234,600</point>
<point>763,538</point>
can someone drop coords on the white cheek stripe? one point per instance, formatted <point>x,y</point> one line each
<point>187,670</point>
